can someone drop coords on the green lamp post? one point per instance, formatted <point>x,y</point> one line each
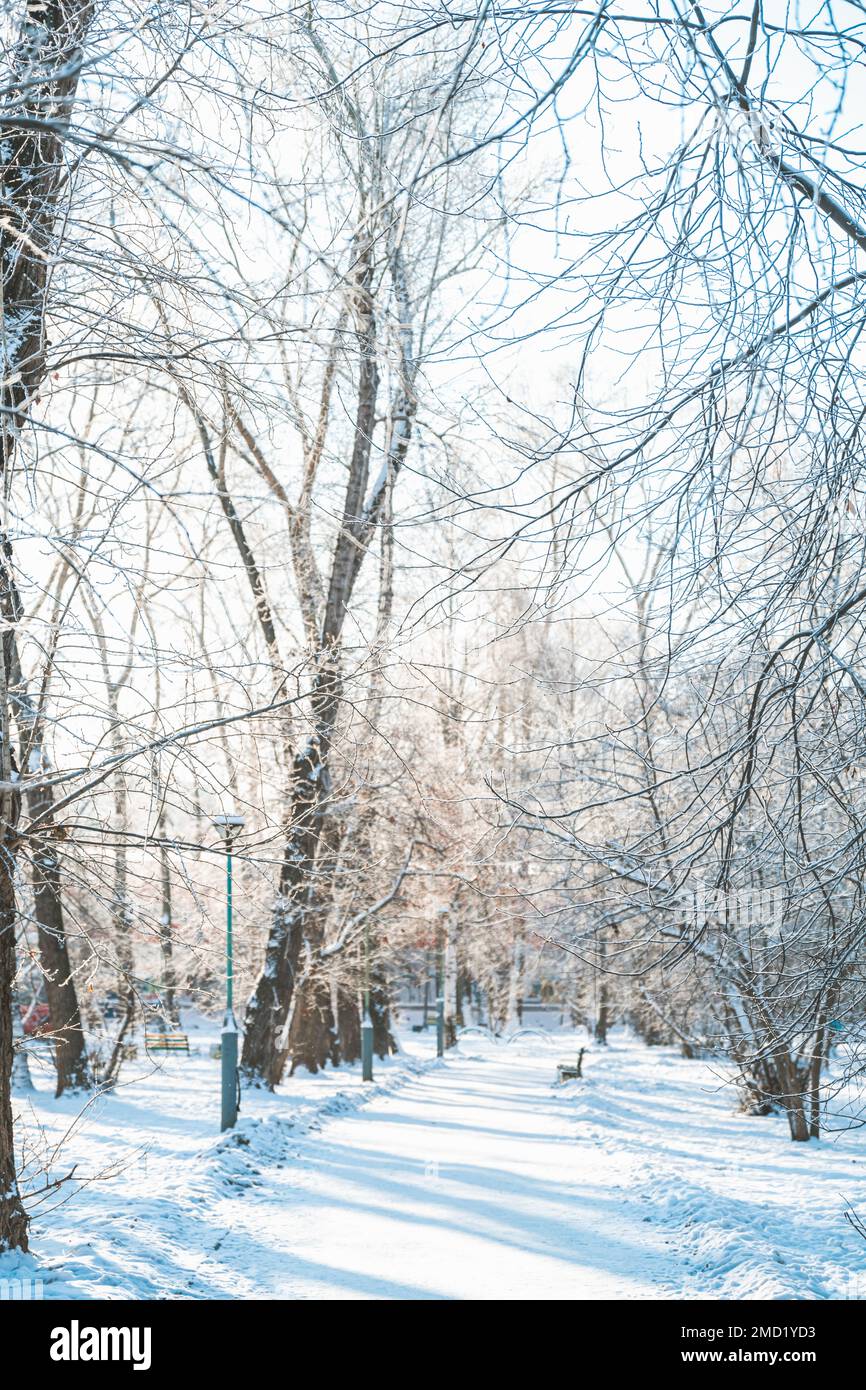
<point>229,826</point>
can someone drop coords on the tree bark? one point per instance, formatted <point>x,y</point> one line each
<point>348,1024</point>
<point>265,1044</point>
<point>13,1218</point>
<point>793,1096</point>
<point>46,65</point>
<point>816,1066</point>
<point>384,1043</point>
<point>169,976</point>
<point>602,1017</point>
<point>315,1030</point>
<point>70,1052</point>
<point>312,1037</point>
<point>121,912</point>
<point>22,1081</point>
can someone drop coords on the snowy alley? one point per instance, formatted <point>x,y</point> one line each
<point>472,1178</point>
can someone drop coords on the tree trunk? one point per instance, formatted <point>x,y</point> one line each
<point>313,1036</point>
<point>602,1016</point>
<point>816,1065</point>
<point>380,1013</point>
<point>348,1024</point>
<point>13,1218</point>
<point>318,1012</point>
<point>70,1054</point>
<point>793,1095</point>
<point>265,1042</point>
<point>45,68</point>
<point>118,1052</point>
<point>169,978</point>
<point>450,972</point>
<point>797,1122</point>
<point>464,994</point>
<point>120,910</point>
<point>22,1081</point>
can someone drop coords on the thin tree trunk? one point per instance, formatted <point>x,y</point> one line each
<point>70,1051</point>
<point>348,1023</point>
<point>121,914</point>
<point>602,1016</point>
<point>816,1065</point>
<point>169,977</point>
<point>515,984</point>
<point>450,983</point>
<point>13,1218</point>
<point>115,1061</point>
<point>22,1081</point>
<point>121,911</point>
<point>464,993</point>
<point>384,1043</point>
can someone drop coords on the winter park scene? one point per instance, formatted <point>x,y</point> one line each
<point>433,722</point>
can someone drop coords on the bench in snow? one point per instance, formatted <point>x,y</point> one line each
<point>571,1071</point>
<point>166,1042</point>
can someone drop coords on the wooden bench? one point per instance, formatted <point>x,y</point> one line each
<point>571,1071</point>
<point>166,1042</point>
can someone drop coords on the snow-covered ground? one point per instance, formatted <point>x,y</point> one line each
<point>475,1177</point>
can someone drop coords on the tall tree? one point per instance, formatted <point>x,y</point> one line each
<point>44,67</point>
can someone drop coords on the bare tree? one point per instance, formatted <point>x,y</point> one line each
<point>43,65</point>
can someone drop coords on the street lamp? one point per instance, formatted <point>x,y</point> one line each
<point>229,827</point>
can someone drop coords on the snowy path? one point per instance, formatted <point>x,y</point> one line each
<point>465,1183</point>
<point>472,1178</point>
